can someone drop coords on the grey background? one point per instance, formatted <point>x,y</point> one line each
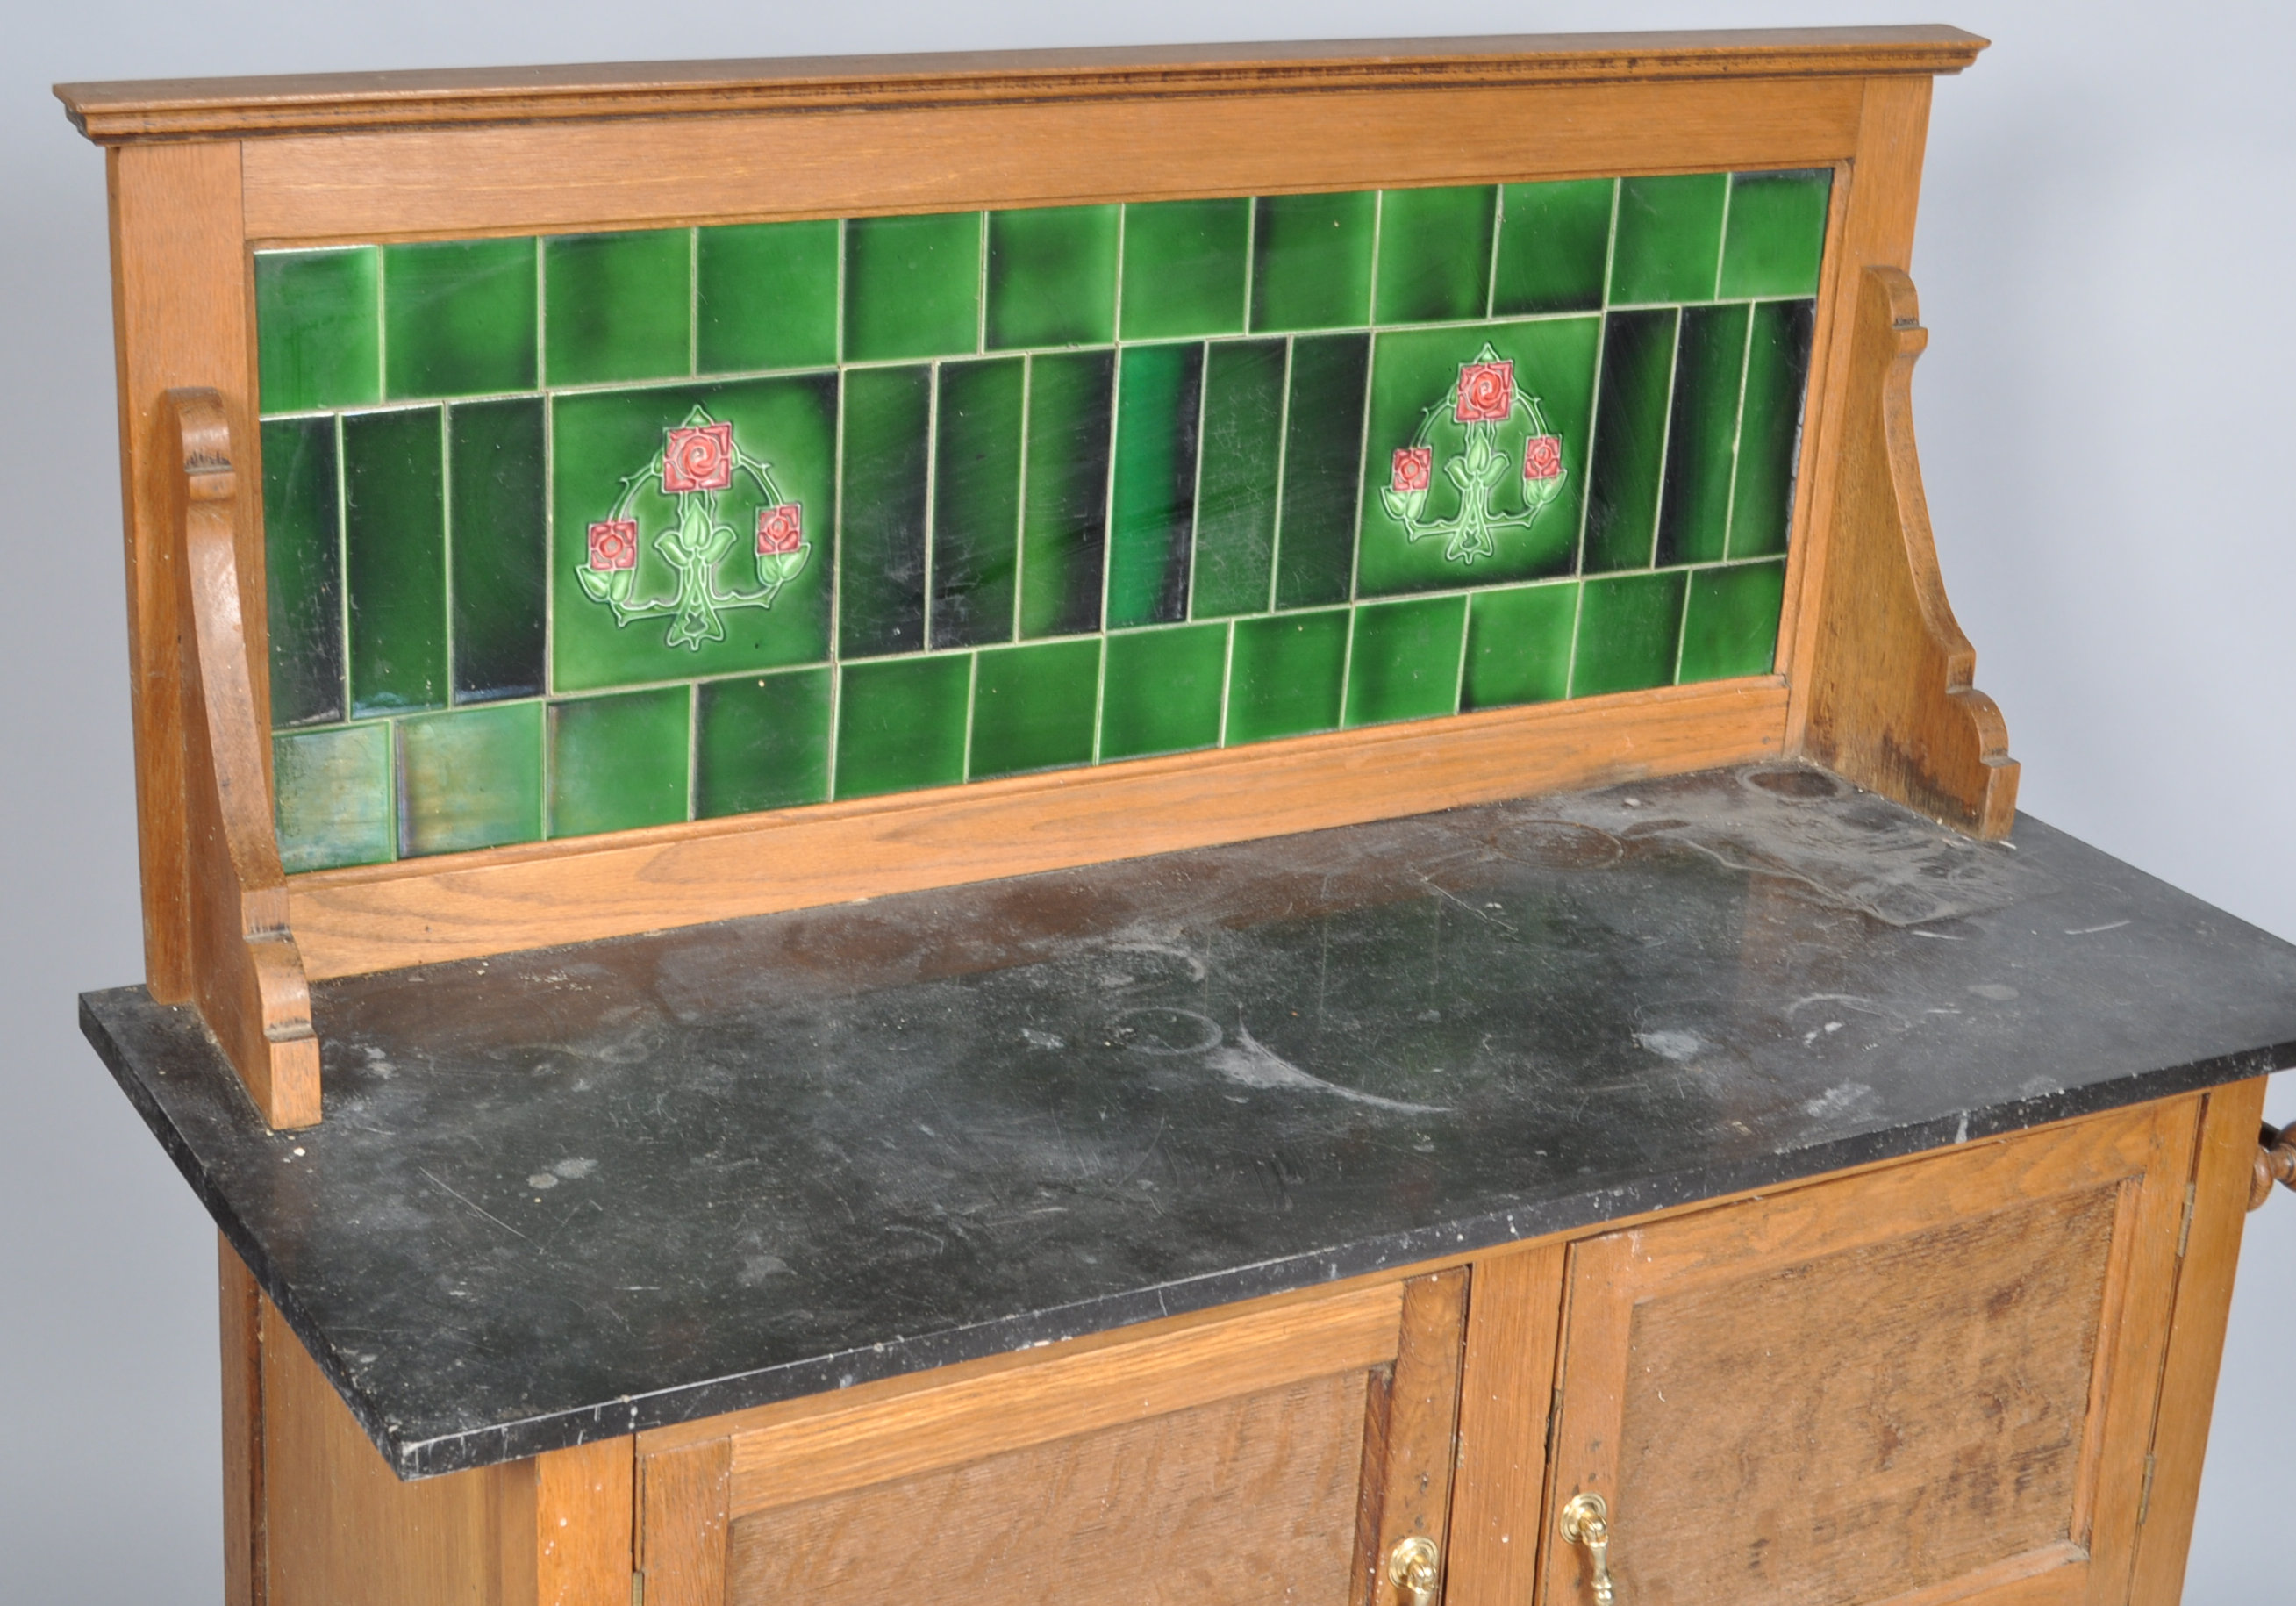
<point>2106,226</point>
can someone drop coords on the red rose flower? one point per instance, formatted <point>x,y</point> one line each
<point>698,459</point>
<point>1415,466</point>
<point>614,546</point>
<point>1485,392</point>
<point>1542,457</point>
<point>779,530</point>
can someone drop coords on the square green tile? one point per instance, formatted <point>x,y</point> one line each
<point>1434,254</point>
<point>459,317</point>
<point>1625,482</point>
<point>881,599</point>
<point>303,570</point>
<point>1153,505</point>
<point>1403,664</point>
<point>1769,430</point>
<point>1519,646</point>
<point>1064,517</point>
<point>617,306</point>
<point>1669,237</point>
<point>1629,626</point>
<point>1776,233</point>
<point>1186,268</point>
<point>1232,569</point>
<point>765,296</point>
<point>470,779</point>
<point>395,552</point>
<point>1731,624</point>
<point>912,286</point>
<point>1702,442</point>
<point>333,797</point>
<point>1312,259</point>
<point>901,724</point>
<point>1033,707</point>
<point>1052,277</point>
<point>1554,246</point>
<point>1323,457</point>
<point>498,502</point>
<point>318,328</point>
<point>1162,690</point>
<point>619,762</point>
<point>1284,675</point>
<point>761,742</point>
<point>976,542</point>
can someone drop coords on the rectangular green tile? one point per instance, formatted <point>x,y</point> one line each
<point>1769,434</point>
<point>1186,268</point>
<point>1052,277</point>
<point>1554,246</point>
<point>1776,233</point>
<point>976,541</point>
<point>1403,664</point>
<point>395,552</point>
<point>619,762</point>
<point>1284,675</point>
<point>470,779</point>
<point>1064,528</point>
<point>334,804</point>
<point>1159,393</point>
<point>1033,707</point>
<point>459,317</point>
<point>912,286</point>
<point>1630,439</point>
<point>1434,254</point>
<point>1519,646</point>
<point>765,296</point>
<point>318,328</point>
<point>1693,521</point>
<point>1669,237</point>
<point>1162,690</point>
<point>901,724</point>
<point>617,306</point>
<point>1312,260</point>
<point>761,742</point>
<point>498,499</point>
<point>1629,627</point>
<point>1731,623</point>
<point>303,570</point>
<point>881,599</point>
<point>1242,460</point>
<point>1323,454</point>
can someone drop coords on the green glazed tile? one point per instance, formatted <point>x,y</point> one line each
<point>765,296</point>
<point>1405,661</point>
<point>1323,454</point>
<point>318,336</point>
<point>1185,267</point>
<point>497,501</point>
<point>900,724</point>
<point>1630,439</point>
<point>1731,626</point>
<point>1064,526</point>
<point>1311,260</point>
<point>333,797</point>
<point>1777,372</point>
<point>1554,244</point>
<point>880,598</point>
<point>1163,691</point>
<point>458,317</point>
<point>1669,237</point>
<point>1160,391</point>
<point>1519,646</point>
<point>1527,528</point>
<point>912,286</point>
<point>1434,254</point>
<point>1236,482</point>
<point>1033,707</point>
<point>618,762</point>
<point>395,552</point>
<point>1284,675</point>
<point>1776,233</point>
<point>617,306</point>
<point>977,501</point>
<point>789,422</point>
<point>1629,627</point>
<point>761,742</point>
<point>1052,277</point>
<point>1693,521</point>
<point>303,572</point>
<point>470,779</point>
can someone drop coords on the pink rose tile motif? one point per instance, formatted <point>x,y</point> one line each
<point>1482,429</point>
<point>1415,468</point>
<point>614,546</point>
<point>698,457</point>
<point>1542,457</point>
<point>780,530</point>
<point>1485,392</point>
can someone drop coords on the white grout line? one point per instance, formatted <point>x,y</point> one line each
<point>932,495</point>
<point>1283,466</point>
<point>1737,436</point>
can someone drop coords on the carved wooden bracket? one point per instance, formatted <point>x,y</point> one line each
<point>247,978</point>
<point>2275,1162</point>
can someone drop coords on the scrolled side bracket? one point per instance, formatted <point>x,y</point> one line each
<point>2275,1162</point>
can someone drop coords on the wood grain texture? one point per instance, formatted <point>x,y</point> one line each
<point>1423,1421</point>
<point>1506,1386</point>
<point>681,1521</point>
<point>2275,1162</point>
<point>245,1580</point>
<point>566,1521</point>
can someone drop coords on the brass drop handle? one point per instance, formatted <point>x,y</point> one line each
<point>2275,1162</point>
<point>1586,1520</point>
<point>1412,1567</point>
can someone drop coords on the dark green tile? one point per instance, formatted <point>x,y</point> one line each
<point>1285,676</point>
<point>1554,243</point>
<point>977,501</point>
<point>303,572</point>
<point>1629,627</point>
<point>1237,481</point>
<point>1731,626</point>
<point>1163,691</point>
<point>1480,519</point>
<point>765,296</point>
<point>458,317</point>
<point>1160,392</point>
<point>1052,277</point>
<point>617,306</point>
<point>1185,267</point>
<point>1519,646</point>
<point>1033,707</point>
<point>912,286</point>
<point>607,456</point>
<point>1311,260</point>
<point>1064,528</point>
<point>1434,254</point>
<point>470,779</point>
<point>1776,233</point>
<point>900,724</point>
<point>1669,237</point>
<point>1769,432</point>
<point>1323,453</point>
<point>1630,439</point>
<point>498,499</point>
<point>761,742</point>
<point>618,762</point>
<point>318,328</point>
<point>1405,662</point>
<point>332,798</point>
<point>395,552</point>
<point>881,601</point>
<point>1693,521</point>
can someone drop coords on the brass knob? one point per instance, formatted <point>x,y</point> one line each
<point>1412,1567</point>
<point>1586,1520</point>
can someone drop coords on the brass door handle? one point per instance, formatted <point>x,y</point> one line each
<point>1586,1520</point>
<point>1412,1566</point>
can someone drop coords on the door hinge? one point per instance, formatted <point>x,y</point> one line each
<point>2184,1232</point>
<point>2145,1500</point>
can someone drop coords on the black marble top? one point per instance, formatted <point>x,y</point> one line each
<point>578,1191</point>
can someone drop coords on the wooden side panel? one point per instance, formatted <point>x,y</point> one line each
<point>1507,1386</point>
<point>1423,1421</point>
<point>243,1580</point>
<point>566,1521</point>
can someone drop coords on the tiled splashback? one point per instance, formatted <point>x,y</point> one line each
<point>582,533</point>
